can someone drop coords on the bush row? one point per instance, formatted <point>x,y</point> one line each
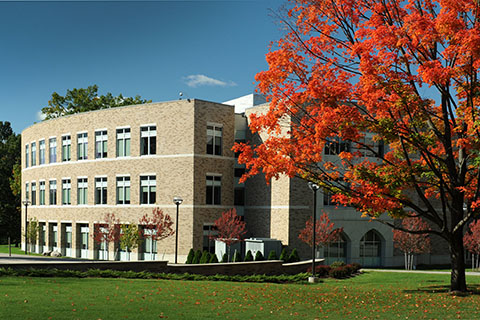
<point>337,270</point>
<point>199,257</point>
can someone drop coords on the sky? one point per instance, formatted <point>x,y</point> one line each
<point>207,50</point>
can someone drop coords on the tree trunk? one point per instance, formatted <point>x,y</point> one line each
<point>458,281</point>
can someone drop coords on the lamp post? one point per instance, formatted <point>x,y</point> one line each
<point>314,188</point>
<point>26,203</point>
<point>177,201</point>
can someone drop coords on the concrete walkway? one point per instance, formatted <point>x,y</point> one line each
<point>23,258</point>
<point>418,271</point>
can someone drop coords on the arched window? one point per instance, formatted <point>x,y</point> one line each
<point>336,251</point>
<point>371,249</point>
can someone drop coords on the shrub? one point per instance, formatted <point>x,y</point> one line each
<point>340,272</point>
<point>336,264</point>
<point>197,257</point>
<point>190,256</point>
<point>321,271</point>
<point>248,256</point>
<point>272,255</point>
<point>237,257</point>
<point>293,257</point>
<point>225,258</point>
<point>259,256</point>
<point>205,257</point>
<point>356,267</point>
<point>213,258</point>
<point>284,255</point>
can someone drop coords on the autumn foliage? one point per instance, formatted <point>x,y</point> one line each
<point>324,232</point>
<point>108,231</point>
<point>412,243</point>
<point>471,240</point>
<point>157,227</point>
<point>230,228</point>
<point>397,83</point>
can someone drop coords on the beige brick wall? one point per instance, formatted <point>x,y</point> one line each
<point>180,165</point>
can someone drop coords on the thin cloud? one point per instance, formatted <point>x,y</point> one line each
<point>40,116</point>
<point>197,80</point>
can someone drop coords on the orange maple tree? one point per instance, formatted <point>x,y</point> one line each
<point>158,226</point>
<point>108,231</point>
<point>412,243</point>
<point>356,75</point>
<point>230,228</point>
<point>324,231</point>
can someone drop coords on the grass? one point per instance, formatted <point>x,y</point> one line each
<point>15,250</point>
<point>372,295</point>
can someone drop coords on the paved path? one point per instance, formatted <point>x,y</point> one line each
<point>419,271</point>
<point>22,258</point>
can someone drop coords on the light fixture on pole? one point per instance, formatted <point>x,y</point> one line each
<point>177,201</point>
<point>314,188</point>
<point>26,203</point>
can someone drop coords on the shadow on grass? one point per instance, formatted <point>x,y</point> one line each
<point>472,290</point>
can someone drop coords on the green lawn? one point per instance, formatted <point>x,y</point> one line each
<point>369,296</point>
<point>15,250</point>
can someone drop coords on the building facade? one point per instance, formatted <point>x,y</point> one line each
<point>129,160</point>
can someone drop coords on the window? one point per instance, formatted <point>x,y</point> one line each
<point>66,191</point>
<point>148,140</point>
<point>41,155</point>
<point>101,190</point>
<point>337,250</point>
<point>371,148</point>
<point>209,230</point>
<point>214,140</point>
<point>148,189</point>
<point>214,189</point>
<point>53,192</point>
<point>82,190</point>
<point>371,249</point>
<point>27,191</point>
<point>34,193</point>
<point>239,172</point>
<point>334,146</point>
<point>42,193</point>
<point>123,190</point>
<point>101,140</point>
<point>52,149</point>
<point>66,148</point>
<point>27,155</point>
<point>123,142</point>
<point>34,154</point>
<point>239,197</point>
<point>82,146</point>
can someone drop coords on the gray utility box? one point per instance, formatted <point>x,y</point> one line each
<point>264,245</point>
<point>221,248</point>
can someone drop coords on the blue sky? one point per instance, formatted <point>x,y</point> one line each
<point>206,49</point>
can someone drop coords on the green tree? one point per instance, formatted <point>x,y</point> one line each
<point>10,155</point>
<point>83,100</point>
<point>197,257</point>
<point>205,257</point>
<point>248,256</point>
<point>272,255</point>
<point>33,230</point>
<point>213,258</point>
<point>259,256</point>
<point>284,255</point>
<point>293,257</point>
<point>129,237</point>
<point>190,256</point>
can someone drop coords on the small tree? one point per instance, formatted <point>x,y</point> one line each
<point>190,256</point>
<point>324,232</point>
<point>33,229</point>
<point>272,255</point>
<point>157,227</point>
<point>107,232</point>
<point>224,258</point>
<point>130,238</point>
<point>197,257</point>
<point>237,257</point>
<point>205,257</point>
<point>230,228</point>
<point>294,257</point>
<point>213,258</point>
<point>284,255</point>
<point>412,241</point>
<point>471,240</point>
<point>259,256</point>
<point>248,256</point>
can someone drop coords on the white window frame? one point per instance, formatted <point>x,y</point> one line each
<point>214,133</point>
<point>41,151</point>
<point>124,136</point>
<point>66,191</point>
<point>101,143</point>
<point>102,184</point>
<point>66,147</point>
<point>150,182</point>
<point>52,146</point>
<point>82,190</point>
<point>123,188</point>
<point>82,145</point>
<point>147,135</point>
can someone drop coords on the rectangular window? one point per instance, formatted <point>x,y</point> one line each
<point>82,190</point>
<point>41,156</point>
<point>148,140</point>
<point>101,140</point>
<point>101,190</point>
<point>66,191</point>
<point>53,192</point>
<point>52,147</point>
<point>42,193</point>
<point>34,154</point>
<point>214,189</point>
<point>27,155</point>
<point>239,197</point>
<point>214,139</point>
<point>34,193</point>
<point>27,192</point>
<point>148,189</point>
<point>239,172</point>
<point>123,190</point>
<point>334,146</point>
<point>123,142</point>
<point>82,146</point>
<point>66,148</point>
